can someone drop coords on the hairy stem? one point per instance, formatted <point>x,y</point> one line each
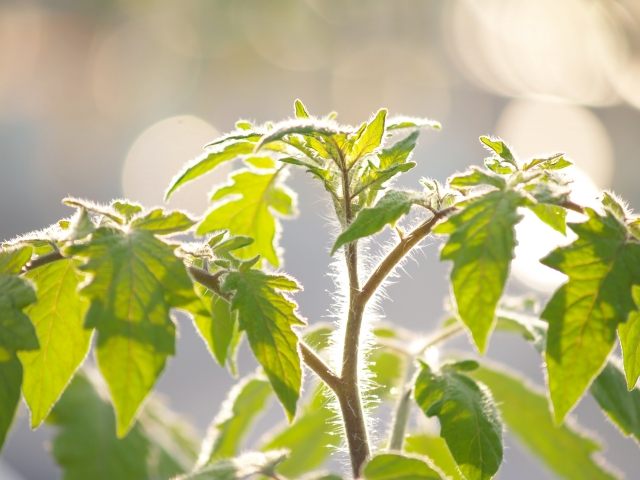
<point>397,254</point>
<point>42,260</point>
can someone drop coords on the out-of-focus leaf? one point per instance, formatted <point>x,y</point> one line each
<point>481,244</point>
<point>86,445</point>
<point>499,147</point>
<point>58,316</point>
<point>477,177</point>
<point>161,223</point>
<point>245,401</point>
<point>583,315</point>
<point>393,466</point>
<point>388,210</point>
<point>10,381</point>
<point>16,330</point>
<point>247,464</point>
<point>208,162</point>
<point>126,209</point>
<point>566,450</point>
<point>469,420</point>
<point>12,260</point>
<point>622,406</point>
<point>262,199</point>
<point>552,215</point>
<point>268,316</point>
<point>387,368</point>
<point>261,162</point>
<point>310,439</point>
<point>629,333</point>
<point>317,335</point>
<point>611,202</point>
<point>135,280</point>
<point>436,449</point>
<point>401,123</point>
<point>300,110</point>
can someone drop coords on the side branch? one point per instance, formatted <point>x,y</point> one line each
<point>211,281</point>
<point>399,251</point>
<point>320,368</point>
<point>42,260</point>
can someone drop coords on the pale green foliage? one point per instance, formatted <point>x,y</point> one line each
<point>268,317</point>
<point>389,466</point>
<point>112,269</point>
<point>583,315</point>
<point>469,420</point>
<point>58,316</point>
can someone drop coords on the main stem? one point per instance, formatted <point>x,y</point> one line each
<point>349,392</point>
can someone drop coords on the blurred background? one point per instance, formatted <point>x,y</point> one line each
<point>108,98</point>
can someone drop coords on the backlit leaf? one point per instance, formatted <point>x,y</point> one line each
<point>622,406</point>
<point>629,333</point>
<point>207,162</point>
<point>12,260</point>
<point>469,420</point>
<point>126,209</point>
<point>370,139</point>
<point>552,215</point>
<point>393,466</point>
<point>16,330</point>
<point>300,110</point>
<point>245,402</point>
<point>10,381</point>
<point>400,123</point>
<point>583,315</point>
<point>135,280</point>
<point>436,449</point>
<point>566,450</point>
<point>161,223</point>
<point>310,439</point>
<point>262,199</point>
<point>477,177</point>
<point>58,316</point>
<point>388,210</point>
<point>247,464</point>
<point>268,316</point>
<point>499,147</point>
<point>481,244</point>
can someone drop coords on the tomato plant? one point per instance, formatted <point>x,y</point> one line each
<point>117,271</point>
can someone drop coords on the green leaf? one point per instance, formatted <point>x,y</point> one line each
<point>261,162</point>
<point>107,212</point>
<point>174,442</point>
<point>160,223</point>
<point>393,205</point>
<point>81,226</point>
<point>127,209</point>
<point>12,260</point>
<point>262,200</point>
<point>86,445</point>
<point>400,123</point>
<point>481,244</point>
<point>622,406</point>
<point>436,449</point>
<point>310,439</point>
<point>208,162</point>
<point>234,243</point>
<point>300,110</point>
<point>135,280</point>
<point>554,162</point>
<point>629,333</point>
<point>393,466</point>
<point>387,369</point>
<point>218,328</point>
<point>304,127</point>
<point>477,177</point>
<point>370,139</point>
<point>245,134</point>
<point>247,464</point>
<point>268,316</point>
<point>16,330</point>
<point>58,316</point>
<point>318,335</point>
<point>552,215</point>
<point>610,201</point>
<point>583,315</point>
<point>496,165</point>
<point>498,146</point>
<point>469,420</point>
<point>245,401</point>
<point>10,381</point>
<point>566,450</point>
